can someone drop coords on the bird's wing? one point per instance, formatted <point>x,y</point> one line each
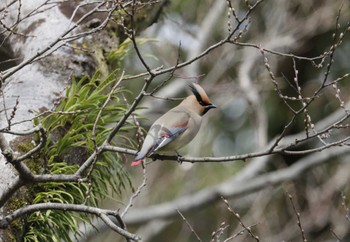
<point>165,130</point>
<point>168,135</point>
<point>169,127</point>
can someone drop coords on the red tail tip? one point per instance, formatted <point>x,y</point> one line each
<point>136,162</point>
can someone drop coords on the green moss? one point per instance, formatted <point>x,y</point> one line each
<point>17,227</point>
<point>37,162</point>
<point>8,236</point>
<point>25,194</point>
<point>24,147</point>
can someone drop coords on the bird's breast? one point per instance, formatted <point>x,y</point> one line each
<point>184,138</point>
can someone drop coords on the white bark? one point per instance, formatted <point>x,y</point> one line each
<point>33,84</point>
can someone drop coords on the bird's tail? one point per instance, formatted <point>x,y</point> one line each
<point>136,162</point>
<point>139,157</point>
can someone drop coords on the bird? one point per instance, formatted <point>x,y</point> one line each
<point>177,127</point>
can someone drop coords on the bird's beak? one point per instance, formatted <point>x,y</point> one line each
<point>210,106</point>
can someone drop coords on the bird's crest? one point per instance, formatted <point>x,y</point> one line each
<point>200,94</point>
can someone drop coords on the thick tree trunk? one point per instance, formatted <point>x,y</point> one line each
<point>51,41</point>
<point>35,29</point>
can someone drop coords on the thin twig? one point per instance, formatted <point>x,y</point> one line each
<point>335,235</point>
<point>298,217</point>
<point>347,210</point>
<point>98,117</point>
<point>218,233</point>
<point>238,233</point>
<point>239,220</point>
<point>36,149</point>
<point>133,39</point>
<point>189,225</point>
<point>136,193</point>
<point>50,46</point>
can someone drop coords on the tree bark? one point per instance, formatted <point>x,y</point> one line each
<point>50,41</point>
<point>37,33</point>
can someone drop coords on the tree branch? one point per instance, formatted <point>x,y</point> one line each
<point>231,189</point>
<point>102,213</point>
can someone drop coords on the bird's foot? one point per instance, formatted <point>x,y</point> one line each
<point>179,160</point>
<point>155,157</point>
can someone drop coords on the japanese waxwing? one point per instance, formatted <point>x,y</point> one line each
<point>177,127</point>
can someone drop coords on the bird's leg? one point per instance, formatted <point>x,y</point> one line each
<point>178,157</point>
<point>155,157</point>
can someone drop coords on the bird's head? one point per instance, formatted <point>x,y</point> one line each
<point>199,101</point>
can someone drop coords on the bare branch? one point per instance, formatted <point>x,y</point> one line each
<point>232,188</point>
<point>298,217</point>
<point>42,142</point>
<point>116,85</point>
<point>102,213</point>
<point>136,193</point>
<point>240,220</point>
<point>189,225</point>
<point>347,210</point>
<point>50,48</point>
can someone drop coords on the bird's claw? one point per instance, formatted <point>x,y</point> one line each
<point>155,157</point>
<point>179,160</point>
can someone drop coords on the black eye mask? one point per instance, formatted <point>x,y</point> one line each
<point>198,96</point>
